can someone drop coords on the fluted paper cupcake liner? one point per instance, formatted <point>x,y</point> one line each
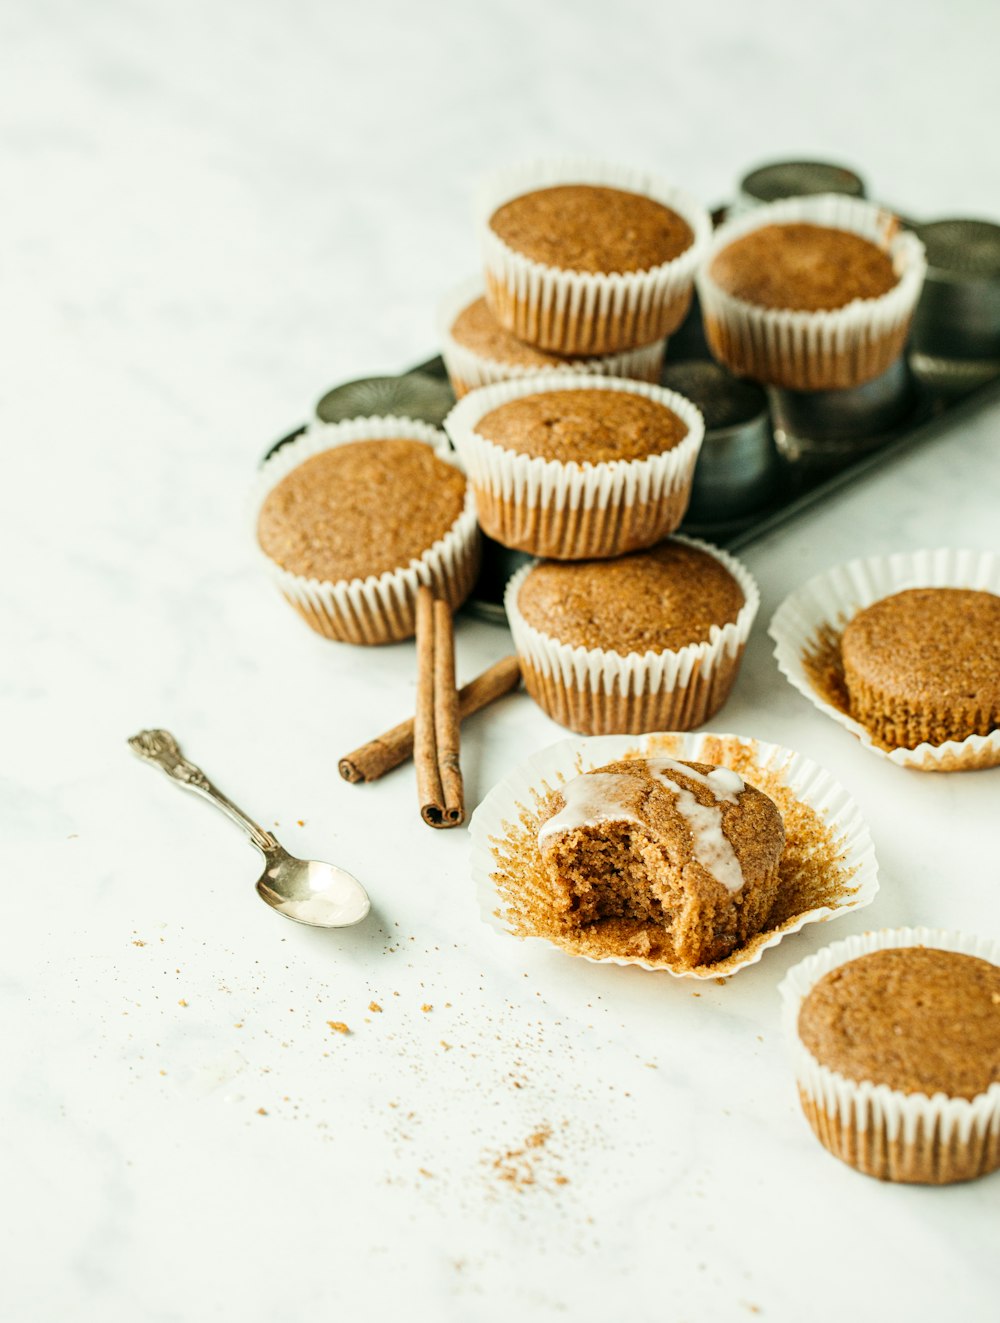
<point>380,608</point>
<point>823,606</point>
<point>596,691</point>
<point>801,350</point>
<point>580,312</point>
<point>881,1131</point>
<point>516,801</point>
<point>468,370</point>
<point>570,511</point>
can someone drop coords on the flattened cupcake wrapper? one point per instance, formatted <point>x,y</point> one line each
<point>802,350</point>
<point>380,608</point>
<point>572,511</point>
<point>599,691</point>
<point>547,770</point>
<point>580,312</point>
<point>827,602</point>
<point>882,1131</point>
<point>468,370</point>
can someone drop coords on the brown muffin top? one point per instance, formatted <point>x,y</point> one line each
<point>649,601</point>
<point>589,426</point>
<point>645,790</point>
<point>477,329</point>
<point>360,509</point>
<point>802,266</point>
<point>587,227</point>
<point>915,1018</point>
<point>940,644</point>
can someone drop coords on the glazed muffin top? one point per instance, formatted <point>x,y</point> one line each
<point>477,329</point>
<point>589,227</point>
<point>915,1018</point>
<point>934,645</point>
<point>586,426</point>
<point>704,815</point>
<point>650,601</point>
<point>800,266</point>
<point>360,509</point>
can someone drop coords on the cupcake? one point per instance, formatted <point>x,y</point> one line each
<point>646,642</point>
<point>477,351</point>
<point>895,1038</point>
<point>675,861</point>
<point>811,293</point>
<point>924,665</point>
<point>574,467</point>
<point>587,258</point>
<point>352,517</point>
<point>904,651</point>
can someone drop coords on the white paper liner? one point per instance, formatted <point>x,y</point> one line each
<point>561,299</point>
<point>902,1114</point>
<point>794,348</point>
<point>531,480</point>
<point>831,599</point>
<point>600,669</point>
<point>547,770</point>
<point>468,370</point>
<point>379,608</point>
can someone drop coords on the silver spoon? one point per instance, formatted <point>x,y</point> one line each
<point>301,889</point>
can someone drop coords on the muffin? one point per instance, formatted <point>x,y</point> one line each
<point>811,293</point>
<point>650,641</point>
<point>575,467</point>
<point>585,258</point>
<point>477,351</point>
<point>896,1042</point>
<point>677,861</point>
<point>924,665</point>
<point>352,517</point>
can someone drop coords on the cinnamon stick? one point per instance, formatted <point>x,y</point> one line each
<point>446,724</point>
<point>390,750</point>
<point>430,792</point>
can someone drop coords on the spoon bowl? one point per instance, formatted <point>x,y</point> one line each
<point>309,891</point>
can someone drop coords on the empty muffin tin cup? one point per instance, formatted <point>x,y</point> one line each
<point>827,426</point>
<point>956,328</point>
<point>796,179</point>
<point>736,468</point>
<point>498,565</point>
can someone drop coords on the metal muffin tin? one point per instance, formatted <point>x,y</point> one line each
<point>796,179</point>
<point>956,330</point>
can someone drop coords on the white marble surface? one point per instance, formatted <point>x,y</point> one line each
<point>211,212</point>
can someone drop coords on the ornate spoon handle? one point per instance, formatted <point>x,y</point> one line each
<point>160,747</point>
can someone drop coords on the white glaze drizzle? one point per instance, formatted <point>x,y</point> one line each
<point>710,845</point>
<point>592,798</point>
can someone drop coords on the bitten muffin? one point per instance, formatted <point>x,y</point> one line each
<point>478,351</point>
<point>924,666</point>
<point>901,1075</point>
<point>577,468</point>
<point>650,641</point>
<point>811,293</point>
<point>660,859</point>
<point>584,258</point>
<point>351,524</point>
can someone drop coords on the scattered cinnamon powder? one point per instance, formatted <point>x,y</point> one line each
<point>812,870</point>
<point>338,1026</point>
<point>518,1167</point>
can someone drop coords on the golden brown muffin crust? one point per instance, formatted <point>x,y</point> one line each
<point>587,227</point>
<point>650,601</point>
<point>586,426</point>
<point>915,1018</point>
<point>929,643</point>
<point>360,509</point>
<point>800,266</point>
<point>477,329</point>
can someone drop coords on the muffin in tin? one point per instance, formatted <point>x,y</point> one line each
<point>646,642</point>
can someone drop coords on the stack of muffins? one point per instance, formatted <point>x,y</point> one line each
<point>576,456</point>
